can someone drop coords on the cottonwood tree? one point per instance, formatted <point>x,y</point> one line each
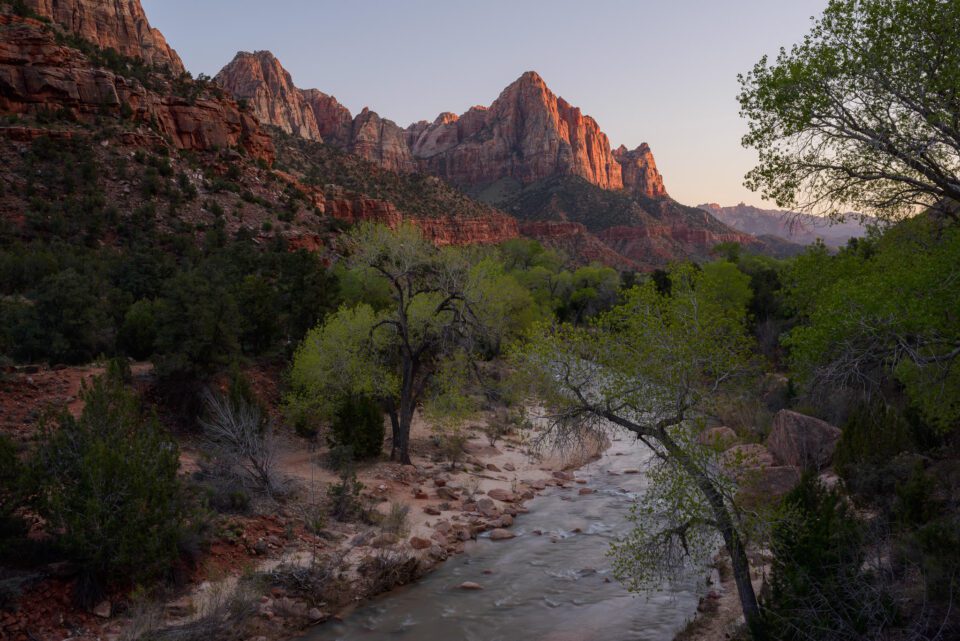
<point>441,305</point>
<point>654,366</point>
<point>863,114</point>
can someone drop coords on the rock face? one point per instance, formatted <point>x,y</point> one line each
<point>639,170</point>
<point>121,25</point>
<point>802,441</point>
<point>37,73</point>
<point>527,134</point>
<point>260,79</point>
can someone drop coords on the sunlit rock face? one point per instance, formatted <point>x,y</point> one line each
<point>639,171</point>
<point>527,134</point>
<point>121,25</point>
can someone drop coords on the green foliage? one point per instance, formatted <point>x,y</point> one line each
<point>858,115</point>
<point>198,329</point>
<point>872,435</point>
<point>107,484</point>
<point>358,424</point>
<point>79,278</point>
<point>883,311</point>
<point>818,581</point>
<point>138,333</point>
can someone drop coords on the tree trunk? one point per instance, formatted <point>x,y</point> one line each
<point>394,432</point>
<point>407,406</point>
<point>731,538</point>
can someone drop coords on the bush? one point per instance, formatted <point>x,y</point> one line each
<point>818,579</point>
<point>107,485</point>
<point>358,424</point>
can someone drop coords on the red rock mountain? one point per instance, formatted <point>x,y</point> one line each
<point>261,80</point>
<point>121,25</point>
<point>527,134</point>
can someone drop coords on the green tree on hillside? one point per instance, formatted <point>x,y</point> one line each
<point>863,113</point>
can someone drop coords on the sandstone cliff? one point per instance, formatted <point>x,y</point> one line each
<point>639,170</point>
<point>527,134</point>
<point>121,25</point>
<point>260,80</point>
<point>39,75</point>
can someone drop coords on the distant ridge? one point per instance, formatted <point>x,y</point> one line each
<point>803,229</point>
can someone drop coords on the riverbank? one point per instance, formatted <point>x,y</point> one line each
<point>444,507</point>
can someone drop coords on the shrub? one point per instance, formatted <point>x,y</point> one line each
<point>818,581</point>
<point>358,424</point>
<point>107,484</point>
<point>344,496</point>
<point>241,441</point>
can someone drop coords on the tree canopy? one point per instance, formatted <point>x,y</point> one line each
<point>863,114</point>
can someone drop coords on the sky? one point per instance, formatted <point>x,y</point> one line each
<point>657,71</point>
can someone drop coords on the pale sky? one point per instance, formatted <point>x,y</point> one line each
<point>656,71</point>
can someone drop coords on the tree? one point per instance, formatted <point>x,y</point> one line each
<point>107,484</point>
<point>438,307</point>
<point>881,311</point>
<point>864,114</point>
<point>654,366</point>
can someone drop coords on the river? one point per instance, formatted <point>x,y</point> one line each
<point>556,586</point>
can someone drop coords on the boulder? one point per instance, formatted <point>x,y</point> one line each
<point>447,494</point>
<point>487,508</point>
<point>802,441</point>
<point>766,484</point>
<point>501,494</point>
<point>419,544</point>
<point>747,456</point>
<point>720,438</point>
<point>509,467</point>
<point>470,585</point>
<point>500,534</point>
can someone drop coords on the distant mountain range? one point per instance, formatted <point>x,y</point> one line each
<point>802,229</point>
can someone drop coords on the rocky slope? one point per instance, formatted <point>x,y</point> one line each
<point>121,25</point>
<point>802,229</point>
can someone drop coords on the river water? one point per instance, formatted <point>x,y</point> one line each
<point>556,586</point>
